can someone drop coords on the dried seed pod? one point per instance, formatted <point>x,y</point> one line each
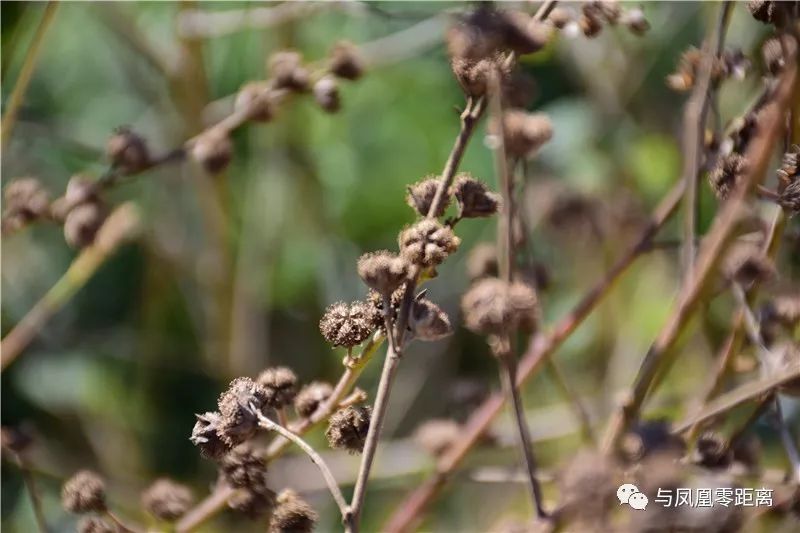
<point>127,150</point>
<point>437,435</point>
<point>26,198</point>
<point>348,427</point>
<point>167,500</point>
<point>345,61</point>
<point>82,224</point>
<point>427,243</point>
<point>524,133</point>
<point>311,397</point>
<point>242,468</point>
<point>280,384</point>
<point>95,524</point>
<point>790,198</point>
<point>474,75</point>
<point>726,174</point>
<point>326,94</point>
<point>712,451</point>
<point>474,199</point>
<point>239,422</point>
<point>292,514</point>
<point>206,436</point>
<point>254,99</point>
<point>493,306</point>
<point>421,194</point>
<point>375,300</point>
<point>382,271</point>
<point>428,322</point>
<point>287,70</point>
<point>84,492</point>
<point>214,150</point>
<point>635,21</point>
<point>252,504</point>
<point>788,172</point>
<point>347,324</point>
<point>482,261</point>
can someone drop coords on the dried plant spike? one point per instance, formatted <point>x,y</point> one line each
<point>206,436</point>
<point>292,514</point>
<point>326,94</point>
<point>428,322</point>
<point>493,306</point>
<point>82,224</point>
<point>243,468</point>
<point>382,271</point>
<point>280,384</point>
<point>238,422</point>
<point>525,132</point>
<point>347,324</point>
<point>474,199</point>
<point>420,196</point>
<point>167,500</point>
<point>127,150</point>
<point>311,397</point>
<point>84,492</point>
<point>213,150</point>
<point>287,70</point>
<point>345,61</point>
<point>726,174</point>
<point>437,435</point>
<point>95,524</point>
<point>348,427</point>
<point>254,99</point>
<point>427,243</point>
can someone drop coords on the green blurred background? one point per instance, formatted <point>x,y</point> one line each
<point>233,276</point>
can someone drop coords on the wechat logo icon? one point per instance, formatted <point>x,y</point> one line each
<point>629,493</point>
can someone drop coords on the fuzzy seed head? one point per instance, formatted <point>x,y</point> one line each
<point>428,322</point>
<point>26,198</point>
<point>239,422</point>
<point>524,133</point>
<point>85,492</point>
<point>436,436</point>
<point>326,94</point>
<point>292,514</point>
<point>493,306</point>
<point>427,243</point>
<point>474,75</point>
<point>311,397</point>
<point>348,427</point>
<point>421,194</point>
<point>206,436</point>
<point>213,150</point>
<point>254,99</point>
<point>95,524</point>
<point>382,271</point>
<point>726,174</point>
<point>375,300</point>
<point>242,468</point>
<point>345,61</point>
<point>287,70</point>
<point>474,199</point>
<point>167,500</point>
<point>127,150</point>
<point>347,324</point>
<point>82,224</point>
<point>280,384</point>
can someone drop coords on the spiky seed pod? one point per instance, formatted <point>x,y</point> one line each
<point>311,397</point>
<point>27,198</point>
<point>435,436</point>
<point>95,524</point>
<point>474,199</point>
<point>348,427</point>
<point>524,133</point>
<point>482,261</point>
<point>428,322</point>
<point>712,451</point>
<point>588,487</point>
<point>790,198</point>
<point>726,174</point>
<point>788,172</point>
<point>243,468</point>
<point>326,94</point>
<point>206,436</point>
<point>474,75</point>
<point>420,196</point>
<point>375,300</point>
<point>254,99</point>
<point>127,150</point>
<point>347,324</point>
<point>239,422</point>
<point>280,384</point>
<point>382,271</point>
<point>292,514</point>
<point>252,504</point>
<point>493,306</point>
<point>635,21</point>
<point>82,224</point>
<point>167,500</point>
<point>213,150</point>
<point>427,243</point>
<point>560,17</point>
<point>287,70</point>
<point>746,264</point>
<point>345,61</point>
<point>15,439</point>
<point>84,492</point>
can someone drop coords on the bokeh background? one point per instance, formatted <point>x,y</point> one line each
<point>231,276</point>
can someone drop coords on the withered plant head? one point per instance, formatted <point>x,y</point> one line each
<point>239,422</point>
<point>728,171</point>
<point>311,397</point>
<point>213,150</point>
<point>287,71</point>
<point>421,194</point>
<point>326,94</point>
<point>27,199</point>
<point>243,468</point>
<point>292,514</point>
<point>474,199</point>
<point>524,133</point>
<point>588,485</point>
<point>382,271</point>
<point>493,306</point>
<point>95,524</point>
<point>280,384</point>
<point>167,500</point>
<point>84,492</point>
<point>428,322</point>
<point>348,324</point>
<point>348,427</point>
<point>435,436</point>
<point>712,451</point>
<point>254,99</point>
<point>475,75</point>
<point>345,61</point>
<point>427,243</point>
<point>206,436</point>
<point>127,150</point>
